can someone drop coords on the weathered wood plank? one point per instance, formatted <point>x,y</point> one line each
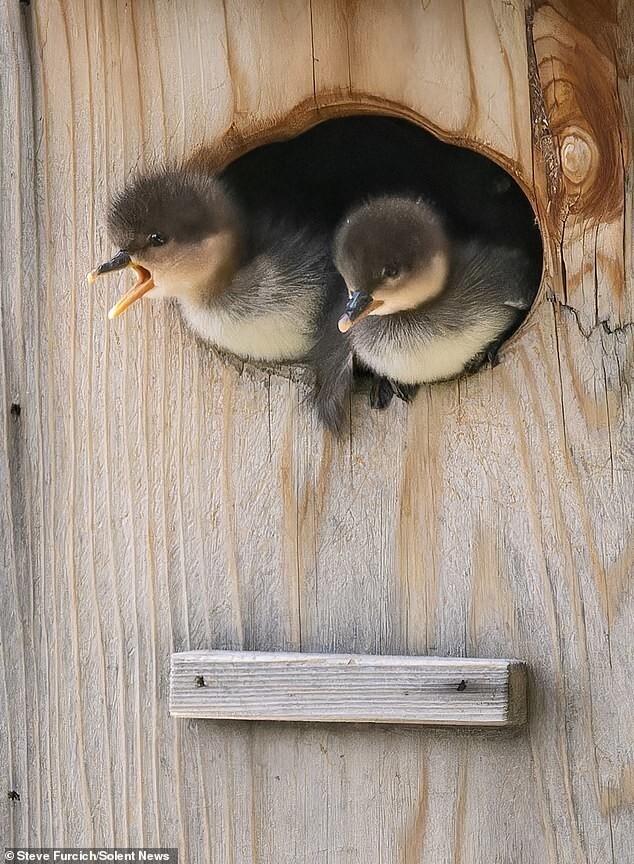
<point>156,500</point>
<point>347,688</point>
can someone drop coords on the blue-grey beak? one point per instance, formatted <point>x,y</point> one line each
<point>359,305</point>
<point>118,262</point>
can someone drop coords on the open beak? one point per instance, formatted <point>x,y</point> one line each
<point>143,284</point>
<point>359,305</point>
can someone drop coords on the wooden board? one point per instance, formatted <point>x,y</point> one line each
<point>347,688</point>
<point>156,500</point>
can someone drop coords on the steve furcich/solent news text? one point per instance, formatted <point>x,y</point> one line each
<point>168,856</point>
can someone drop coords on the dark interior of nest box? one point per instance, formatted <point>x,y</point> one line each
<point>318,175</point>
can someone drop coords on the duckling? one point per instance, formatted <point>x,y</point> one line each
<point>422,307</point>
<point>255,286</point>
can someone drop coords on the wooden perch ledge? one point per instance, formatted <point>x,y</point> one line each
<point>347,688</point>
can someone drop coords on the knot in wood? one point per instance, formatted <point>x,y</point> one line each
<point>579,157</point>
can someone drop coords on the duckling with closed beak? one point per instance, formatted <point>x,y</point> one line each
<point>422,307</point>
<point>255,286</point>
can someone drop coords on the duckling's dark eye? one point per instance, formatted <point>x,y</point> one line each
<point>156,240</point>
<point>391,271</point>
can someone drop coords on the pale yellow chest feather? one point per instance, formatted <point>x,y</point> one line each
<point>273,337</point>
<point>434,359</point>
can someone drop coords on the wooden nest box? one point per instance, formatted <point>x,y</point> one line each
<point>157,499</point>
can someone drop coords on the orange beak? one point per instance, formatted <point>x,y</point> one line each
<point>143,284</point>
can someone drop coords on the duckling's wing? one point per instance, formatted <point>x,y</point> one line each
<point>518,303</point>
<point>521,274</point>
<point>489,276</point>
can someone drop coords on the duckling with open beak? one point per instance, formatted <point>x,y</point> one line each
<point>256,286</point>
<point>422,307</point>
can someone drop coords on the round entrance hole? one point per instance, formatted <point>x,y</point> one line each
<point>317,176</point>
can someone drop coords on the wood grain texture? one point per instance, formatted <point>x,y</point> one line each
<point>347,688</point>
<point>155,499</point>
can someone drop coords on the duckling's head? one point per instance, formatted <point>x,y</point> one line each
<point>393,254</point>
<point>179,230</point>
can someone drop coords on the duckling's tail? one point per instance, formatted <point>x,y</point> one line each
<point>332,363</point>
<point>331,396</point>
<point>331,357</point>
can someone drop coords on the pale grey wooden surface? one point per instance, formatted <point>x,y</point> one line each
<point>156,500</point>
<point>285,685</point>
